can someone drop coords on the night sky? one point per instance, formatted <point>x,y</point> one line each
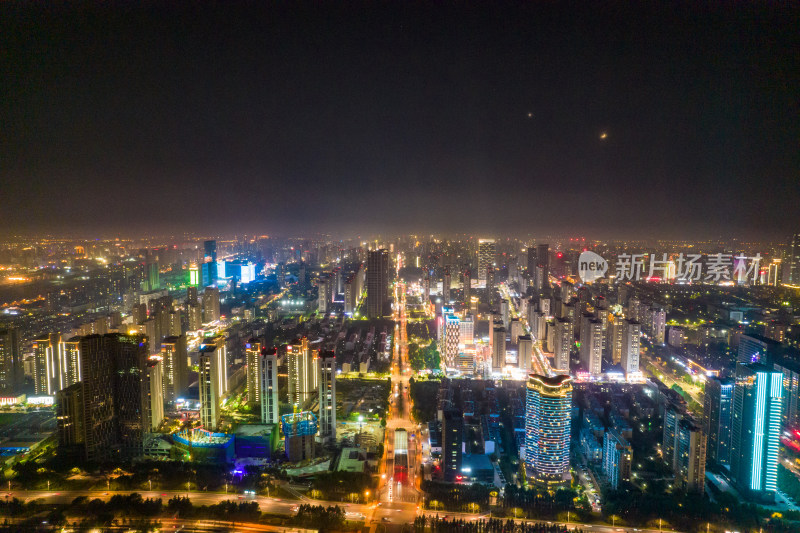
<point>400,117</point>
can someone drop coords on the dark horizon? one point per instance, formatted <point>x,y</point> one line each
<point>659,121</point>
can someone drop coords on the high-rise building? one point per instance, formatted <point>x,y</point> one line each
<point>690,457</point>
<point>153,392</point>
<point>563,344</point>
<point>467,330</point>
<point>631,339</point>
<point>113,419</point>
<point>377,283</point>
<point>790,368</point>
<point>794,260</point>
<point>174,358</point>
<point>209,388</point>
<point>617,458</point>
<point>487,250</point>
<point>194,276</point>
<point>547,431</point>
<point>446,283</point>
<point>525,352</point>
<point>10,360</point>
<point>327,396</point>
<point>498,349</point>
<point>757,421</point>
<point>301,368</point>
<point>324,294</point>
<point>268,366</point>
<point>591,350</point>
<point>252,351</point>
<point>717,419</point>
<point>452,438</point>
<point>194,316</point>
<point>450,339</point>
<point>757,349</point>
<point>211,311</point>
<point>467,287</point>
<point>542,278</point>
<point>672,415</point>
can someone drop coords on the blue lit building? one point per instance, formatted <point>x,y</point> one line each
<point>547,431</point>
<point>755,438</point>
<point>617,458</point>
<point>299,430</point>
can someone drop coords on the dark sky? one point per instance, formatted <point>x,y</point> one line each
<point>280,118</point>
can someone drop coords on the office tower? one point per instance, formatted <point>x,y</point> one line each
<point>111,424</point>
<point>268,365</point>
<point>717,419</point>
<point>327,396</point>
<point>591,350</point>
<point>631,338</point>
<point>757,349</point>
<point>790,368</point>
<point>467,287</point>
<point>324,296</point>
<point>210,250</point>
<point>446,282</point>
<point>153,390</point>
<point>547,431</point>
<point>794,260</point>
<point>48,375</point>
<point>173,318</point>
<point>531,263</point>
<point>299,430</point>
<point>542,267</point>
<point>525,351</point>
<point>139,313</point>
<point>617,458</point>
<point>498,349</point>
<point>208,383</point>
<point>175,363</point>
<point>467,330</point>
<point>211,311</point>
<point>690,457</point>
<point>10,360</point>
<point>563,344</point>
<point>486,257</point>
<point>755,439</point>
<point>152,274</point>
<point>377,282</point>
<point>450,339</point>
<point>452,437</point>
<point>298,357</point>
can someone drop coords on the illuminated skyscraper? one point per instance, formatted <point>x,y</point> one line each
<point>56,363</point>
<point>153,392</point>
<point>690,457</point>
<point>377,283</point>
<point>547,431</point>
<point>542,278</point>
<point>269,386</point>
<point>446,282</point>
<point>327,396</point>
<point>757,349</point>
<point>209,379</point>
<point>794,260</point>
<point>253,360</point>
<point>301,371</point>
<point>487,249</point>
<point>450,338</point>
<point>194,275</point>
<point>467,287</point>
<point>617,458</point>
<point>175,367</point>
<point>452,444</point>
<point>757,421</point>
<point>525,352</point>
<point>717,419</point>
